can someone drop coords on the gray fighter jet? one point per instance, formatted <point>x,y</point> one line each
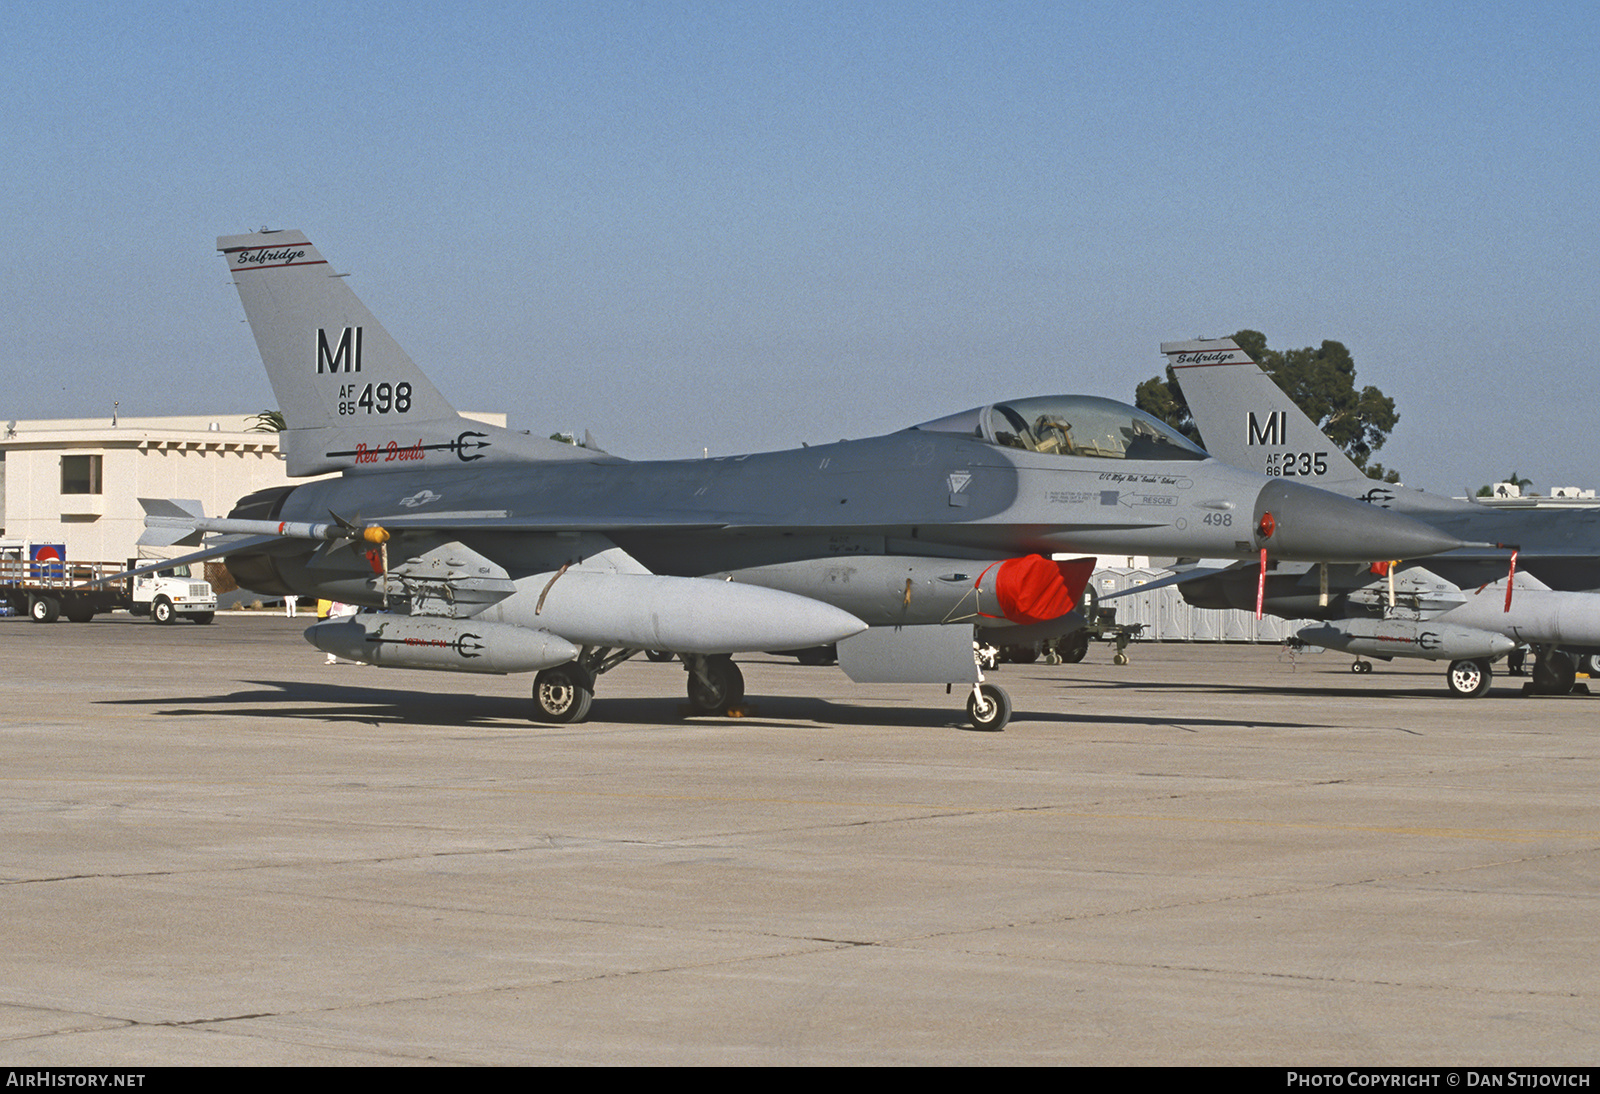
<point>494,551</point>
<point>1454,609</point>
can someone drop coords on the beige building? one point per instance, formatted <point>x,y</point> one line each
<point>77,481</point>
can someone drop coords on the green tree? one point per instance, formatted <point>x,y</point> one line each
<point>268,421</point>
<point>1322,382</point>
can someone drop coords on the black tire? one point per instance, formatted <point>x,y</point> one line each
<point>161,611</point>
<point>1020,655</point>
<point>1074,647</point>
<point>725,690</point>
<point>203,617</point>
<point>989,709</point>
<point>44,609</point>
<point>658,655</point>
<point>817,655</point>
<point>1554,674</point>
<point>1468,679</point>
<point>562,694</point>
<point>77,613</point>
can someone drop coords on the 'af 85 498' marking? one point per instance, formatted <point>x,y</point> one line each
<point>375,399</point>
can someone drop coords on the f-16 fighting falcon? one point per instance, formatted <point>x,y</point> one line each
<point>1456,609</point>
<point>484,550</point>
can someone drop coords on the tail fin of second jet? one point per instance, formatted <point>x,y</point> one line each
<point>351,398</point>
<point>1247,420</point>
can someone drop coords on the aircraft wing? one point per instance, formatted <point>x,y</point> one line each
<point>1207,567</point>
<point>173,522</point>
<point>226,545</point>
<point>546,522</point>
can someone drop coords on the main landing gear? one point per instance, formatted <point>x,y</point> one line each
<point>564,693</point>
<point>1468,679</point>
<point>1554,673</point>
<point>716,686</point>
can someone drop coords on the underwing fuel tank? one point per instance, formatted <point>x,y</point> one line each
<point>902,590</point>
<point>451,645</point>
<point>1430,640</point>
<point>681,614</point>
<point>1535,615</point>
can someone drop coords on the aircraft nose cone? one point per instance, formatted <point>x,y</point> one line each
<point>1305,524</point>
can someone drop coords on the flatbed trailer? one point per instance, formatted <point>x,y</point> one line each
<point>47,590</point>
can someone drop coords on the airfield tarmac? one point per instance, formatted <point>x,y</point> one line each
<point>218,850</point>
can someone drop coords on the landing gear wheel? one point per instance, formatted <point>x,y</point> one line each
<point>562,694</point>
<point>1120,659</point>
<point>44,609</point>
<point>989,708</point>
<point>1468,679</point>
<point>78,615</point>
<point>725,687</point>
<point>161,611</point>
<point>658,655</point>
<point>1074,646</point>
<point>1554,674</point>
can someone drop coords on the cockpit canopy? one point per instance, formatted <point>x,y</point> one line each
<point>1072,425</point>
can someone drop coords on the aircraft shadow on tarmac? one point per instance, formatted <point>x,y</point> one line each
<point>297,700</point>
<point>1428,688</point>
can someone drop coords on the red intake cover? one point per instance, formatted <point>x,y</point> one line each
<point>1033,589</point>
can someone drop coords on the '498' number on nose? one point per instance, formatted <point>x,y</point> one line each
<point>375,399</point>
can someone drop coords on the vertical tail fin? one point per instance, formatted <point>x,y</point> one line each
<point>1245,419</point>
<point>351,397</point>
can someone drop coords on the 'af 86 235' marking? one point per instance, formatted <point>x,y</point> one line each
<point>375,399</point>
<point>1297,464</point>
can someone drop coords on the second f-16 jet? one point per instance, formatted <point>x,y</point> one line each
<point>1456,607</point>
<point>480,549</point>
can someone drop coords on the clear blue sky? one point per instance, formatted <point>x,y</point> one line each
<point>743,226</point>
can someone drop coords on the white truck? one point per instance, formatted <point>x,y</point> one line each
<point>46,587</point>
